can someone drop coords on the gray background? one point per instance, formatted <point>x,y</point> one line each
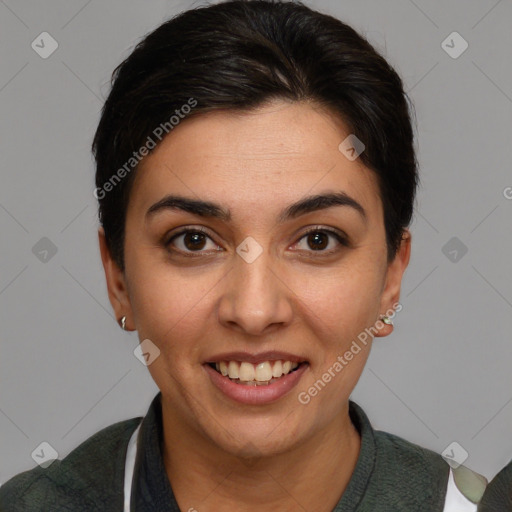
<point>68,370</point>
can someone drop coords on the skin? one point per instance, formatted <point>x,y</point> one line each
<point>219,454</point>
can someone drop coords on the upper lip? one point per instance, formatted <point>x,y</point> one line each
<point>256,358</point>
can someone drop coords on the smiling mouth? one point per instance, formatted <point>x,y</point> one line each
<point>261,374</point>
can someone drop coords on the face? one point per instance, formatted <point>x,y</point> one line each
<point>269,294</point>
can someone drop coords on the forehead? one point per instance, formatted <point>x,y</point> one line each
<point>272,155</point>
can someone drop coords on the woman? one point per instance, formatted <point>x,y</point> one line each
<point>256,178</point>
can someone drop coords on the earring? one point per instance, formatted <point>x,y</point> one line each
<point>123,323</point>
<point>386,320</point>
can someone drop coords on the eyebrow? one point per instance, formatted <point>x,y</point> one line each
<point>210,209</point>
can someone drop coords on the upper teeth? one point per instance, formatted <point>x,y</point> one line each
<point>260,372</point>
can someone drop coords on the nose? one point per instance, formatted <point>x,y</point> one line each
<point>255,299</point>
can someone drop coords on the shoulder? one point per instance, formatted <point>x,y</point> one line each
<point>409,465</point>
<point>398,453</point>
<point>92,473</point>
<point>423,476</point>
<point>498,495</point>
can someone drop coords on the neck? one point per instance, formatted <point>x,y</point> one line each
<point>312,476</point>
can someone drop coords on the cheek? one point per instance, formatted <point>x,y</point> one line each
<point>168,303</point>
<point>169,309</point>
<point>343,299</point>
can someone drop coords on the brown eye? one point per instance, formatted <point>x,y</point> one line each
<point>190,241</point>
<point>194,241</point>
<point>318,240</point>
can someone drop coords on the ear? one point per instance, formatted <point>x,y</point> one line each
<point>396,268</point>
<point>116,282</point>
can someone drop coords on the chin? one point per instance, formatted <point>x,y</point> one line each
<point>254,438</point>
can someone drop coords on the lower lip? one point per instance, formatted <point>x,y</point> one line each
<point>256,395</point>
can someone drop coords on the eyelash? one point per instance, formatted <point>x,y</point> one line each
<point>316,229</point>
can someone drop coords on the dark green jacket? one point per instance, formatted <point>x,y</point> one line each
<point>498,495</point>
<point>391,474</point>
